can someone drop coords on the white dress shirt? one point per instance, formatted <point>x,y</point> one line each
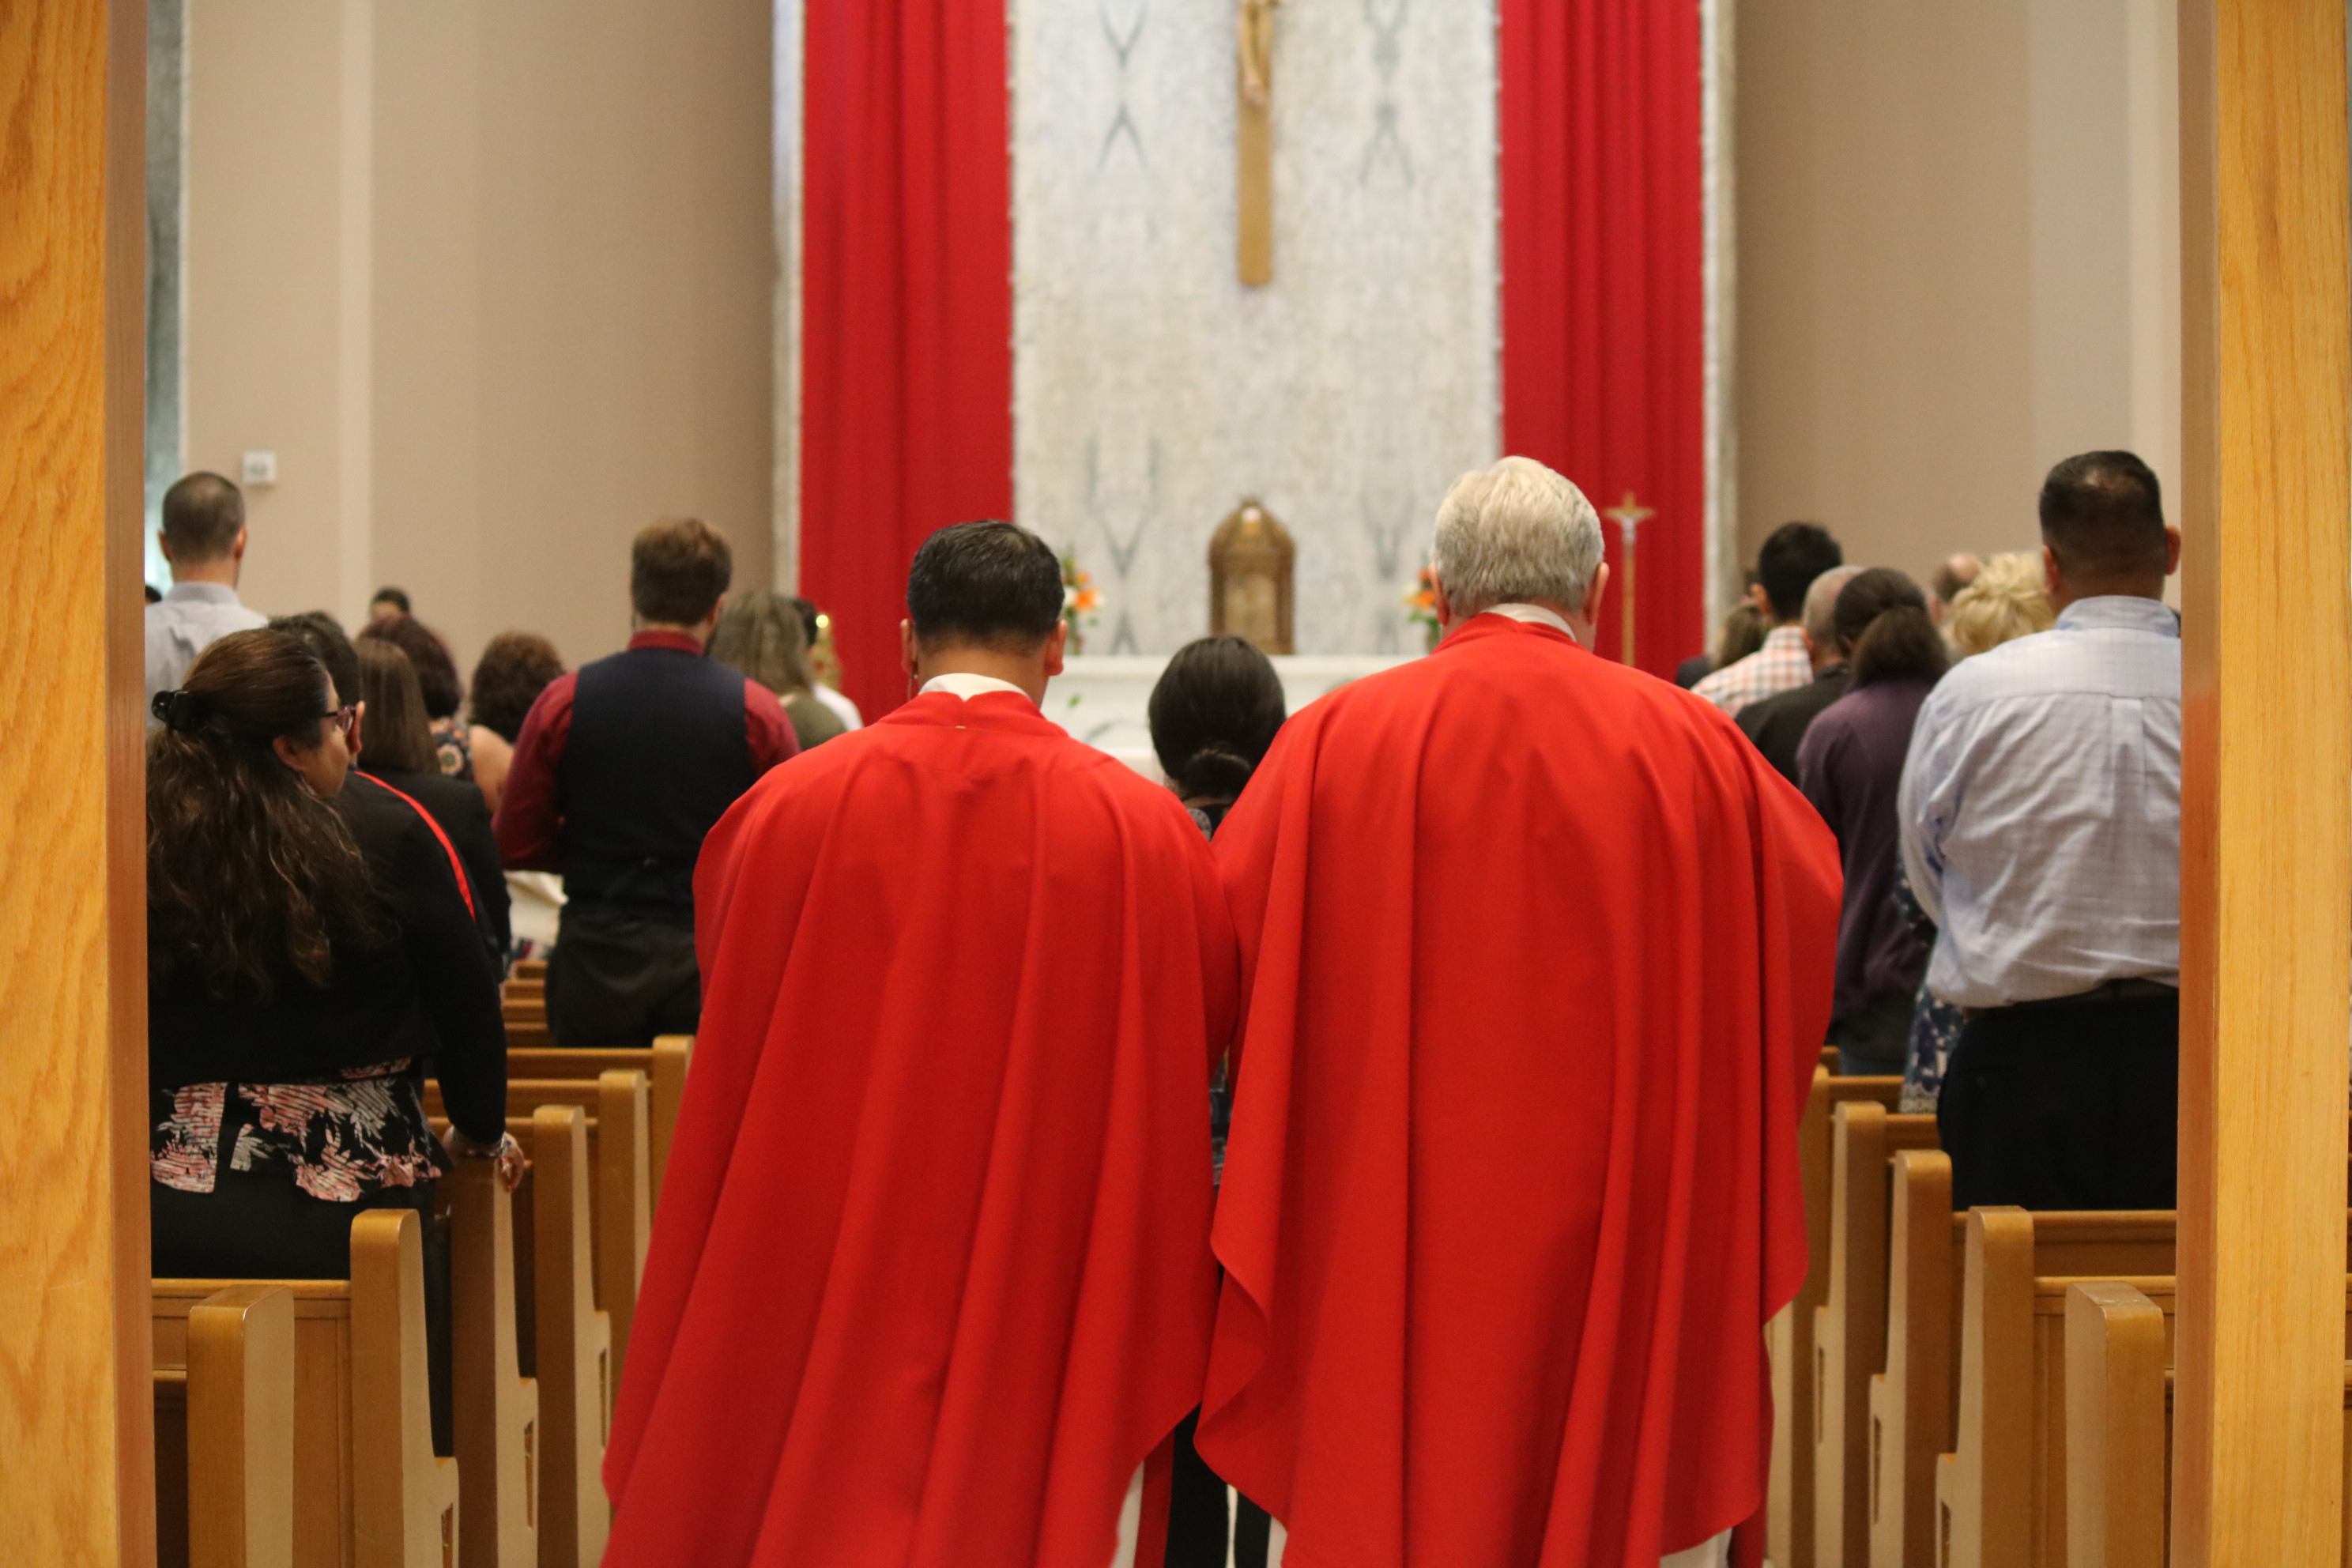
<point>2041,809</point>
<point>961,683</point>
<point>188,620</point>
<point>1535,615</point>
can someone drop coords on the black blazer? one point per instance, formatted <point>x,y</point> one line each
<point>430,991</point>
<point>458,806</point>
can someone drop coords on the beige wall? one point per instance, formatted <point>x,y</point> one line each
<point>1959,262</point>
<point>494,282</point>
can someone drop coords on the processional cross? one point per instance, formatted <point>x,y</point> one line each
<point>1254,141</point>
<point>1629,515</point>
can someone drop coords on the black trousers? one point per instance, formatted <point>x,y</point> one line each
<point>2066,1105</point>
<point>1196,1513</point>
<point>618,979</point>
<point>258,1225</point>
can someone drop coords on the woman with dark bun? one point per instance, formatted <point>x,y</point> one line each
<point>1850,765</point>
<point>306,955</point>
<point>1214,714</point>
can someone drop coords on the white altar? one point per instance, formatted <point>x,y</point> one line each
<point>1104,700</point>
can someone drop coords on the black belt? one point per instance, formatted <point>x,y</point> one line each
<point>2112,991</point>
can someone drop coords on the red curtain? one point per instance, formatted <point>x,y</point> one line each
<point>1603,247</point>
<point>907,307</point>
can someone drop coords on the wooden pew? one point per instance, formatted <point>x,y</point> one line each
<point>1910,1402</point>
<point>1789,1498</point>
<point>2119,1428</point>
<point>665,1066</point>
<point>620,1201</point>
<point>521,990</point>
<point>2002,1494</point>
<point>524,1012</point>
<point>571,1341</point>
<point>494,1408</point>
<point>532,969</point>
<point>225,1421</point>
<point>1850,1325</point>
<point>368,1491</point>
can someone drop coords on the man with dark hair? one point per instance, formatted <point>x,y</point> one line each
<point>1778,723</point>
<point>389,604</point>
<point>930,1277</point>
<point>1794,554</point>
<point>2041,820</point>
<point>621,767</point>
<point>202,538</point>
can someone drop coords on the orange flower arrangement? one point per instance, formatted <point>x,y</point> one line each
<point>1079,599</point>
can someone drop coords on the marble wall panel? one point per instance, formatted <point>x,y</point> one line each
<point>1153,392</point>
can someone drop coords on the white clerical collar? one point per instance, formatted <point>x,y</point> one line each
<point>966,684</point>
<point>1535,615</point>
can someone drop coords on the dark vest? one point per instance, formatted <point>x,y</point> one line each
<point>658,750</point>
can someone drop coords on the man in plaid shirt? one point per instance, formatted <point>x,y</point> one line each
<point>1795,554</point>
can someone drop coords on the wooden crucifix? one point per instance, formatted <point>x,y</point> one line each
<point>1254,141</point>
<point>1629,515</point>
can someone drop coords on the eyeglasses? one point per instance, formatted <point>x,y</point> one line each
<point>341,718</point>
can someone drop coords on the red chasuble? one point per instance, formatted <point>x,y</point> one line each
<point>1536,957</point>
<point>931,1275</point>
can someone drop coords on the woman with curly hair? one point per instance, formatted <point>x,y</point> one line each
<point>306,955</point>
<point>508,678</point>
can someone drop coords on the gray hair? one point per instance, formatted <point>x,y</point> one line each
<point>1821,605</point>
<point>1515,531</point>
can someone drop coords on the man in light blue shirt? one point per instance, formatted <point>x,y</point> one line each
<point>204,539</point>
<point>2041,822</point>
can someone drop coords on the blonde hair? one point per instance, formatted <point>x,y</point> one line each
<point>1515,531</point>
<point>2004,602</point>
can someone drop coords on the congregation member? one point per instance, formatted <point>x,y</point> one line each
<point>203,540</point>
<point>2041,829</point>
<point>396,751</point>
<point>291,1016</point>
<point>1794,554</point>
<point>1214,711</point>
<point>514,669</point>
<point>1537,960</point>
<point>1741,634</point>
<point>437,675</point>
<point>1778,724</point>
<point>931,1275</point>
<point>824,668</point>
<point>2007,601</point>
<point>621,768</point>
<point>389,604</point>
<point>762,634</point>
<point>1850,766</point>
<point>1951,579</point>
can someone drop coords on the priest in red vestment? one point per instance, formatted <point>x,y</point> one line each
<point>930,1277</point>
<point>1536,956</point>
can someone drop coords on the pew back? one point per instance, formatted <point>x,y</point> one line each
<point>368,1491</point>
<point>573,1341</point>
<point>1788,1497</point>
<point>494,1408</point>
<point>225,1422</point>
<point>1850,1325</point>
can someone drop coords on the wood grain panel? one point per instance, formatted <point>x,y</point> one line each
<point>75,1403</point>
<point>2266,841</point>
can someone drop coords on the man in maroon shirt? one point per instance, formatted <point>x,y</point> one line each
<point>621,768</point>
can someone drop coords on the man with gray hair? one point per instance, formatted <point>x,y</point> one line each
<point>1536,966</point>
<point>1778,724</point>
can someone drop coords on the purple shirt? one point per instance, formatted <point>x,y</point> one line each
<point>1850,766</point>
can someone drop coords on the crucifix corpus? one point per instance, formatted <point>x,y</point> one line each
<point>1629,515</point>
<point>1254,141</point>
